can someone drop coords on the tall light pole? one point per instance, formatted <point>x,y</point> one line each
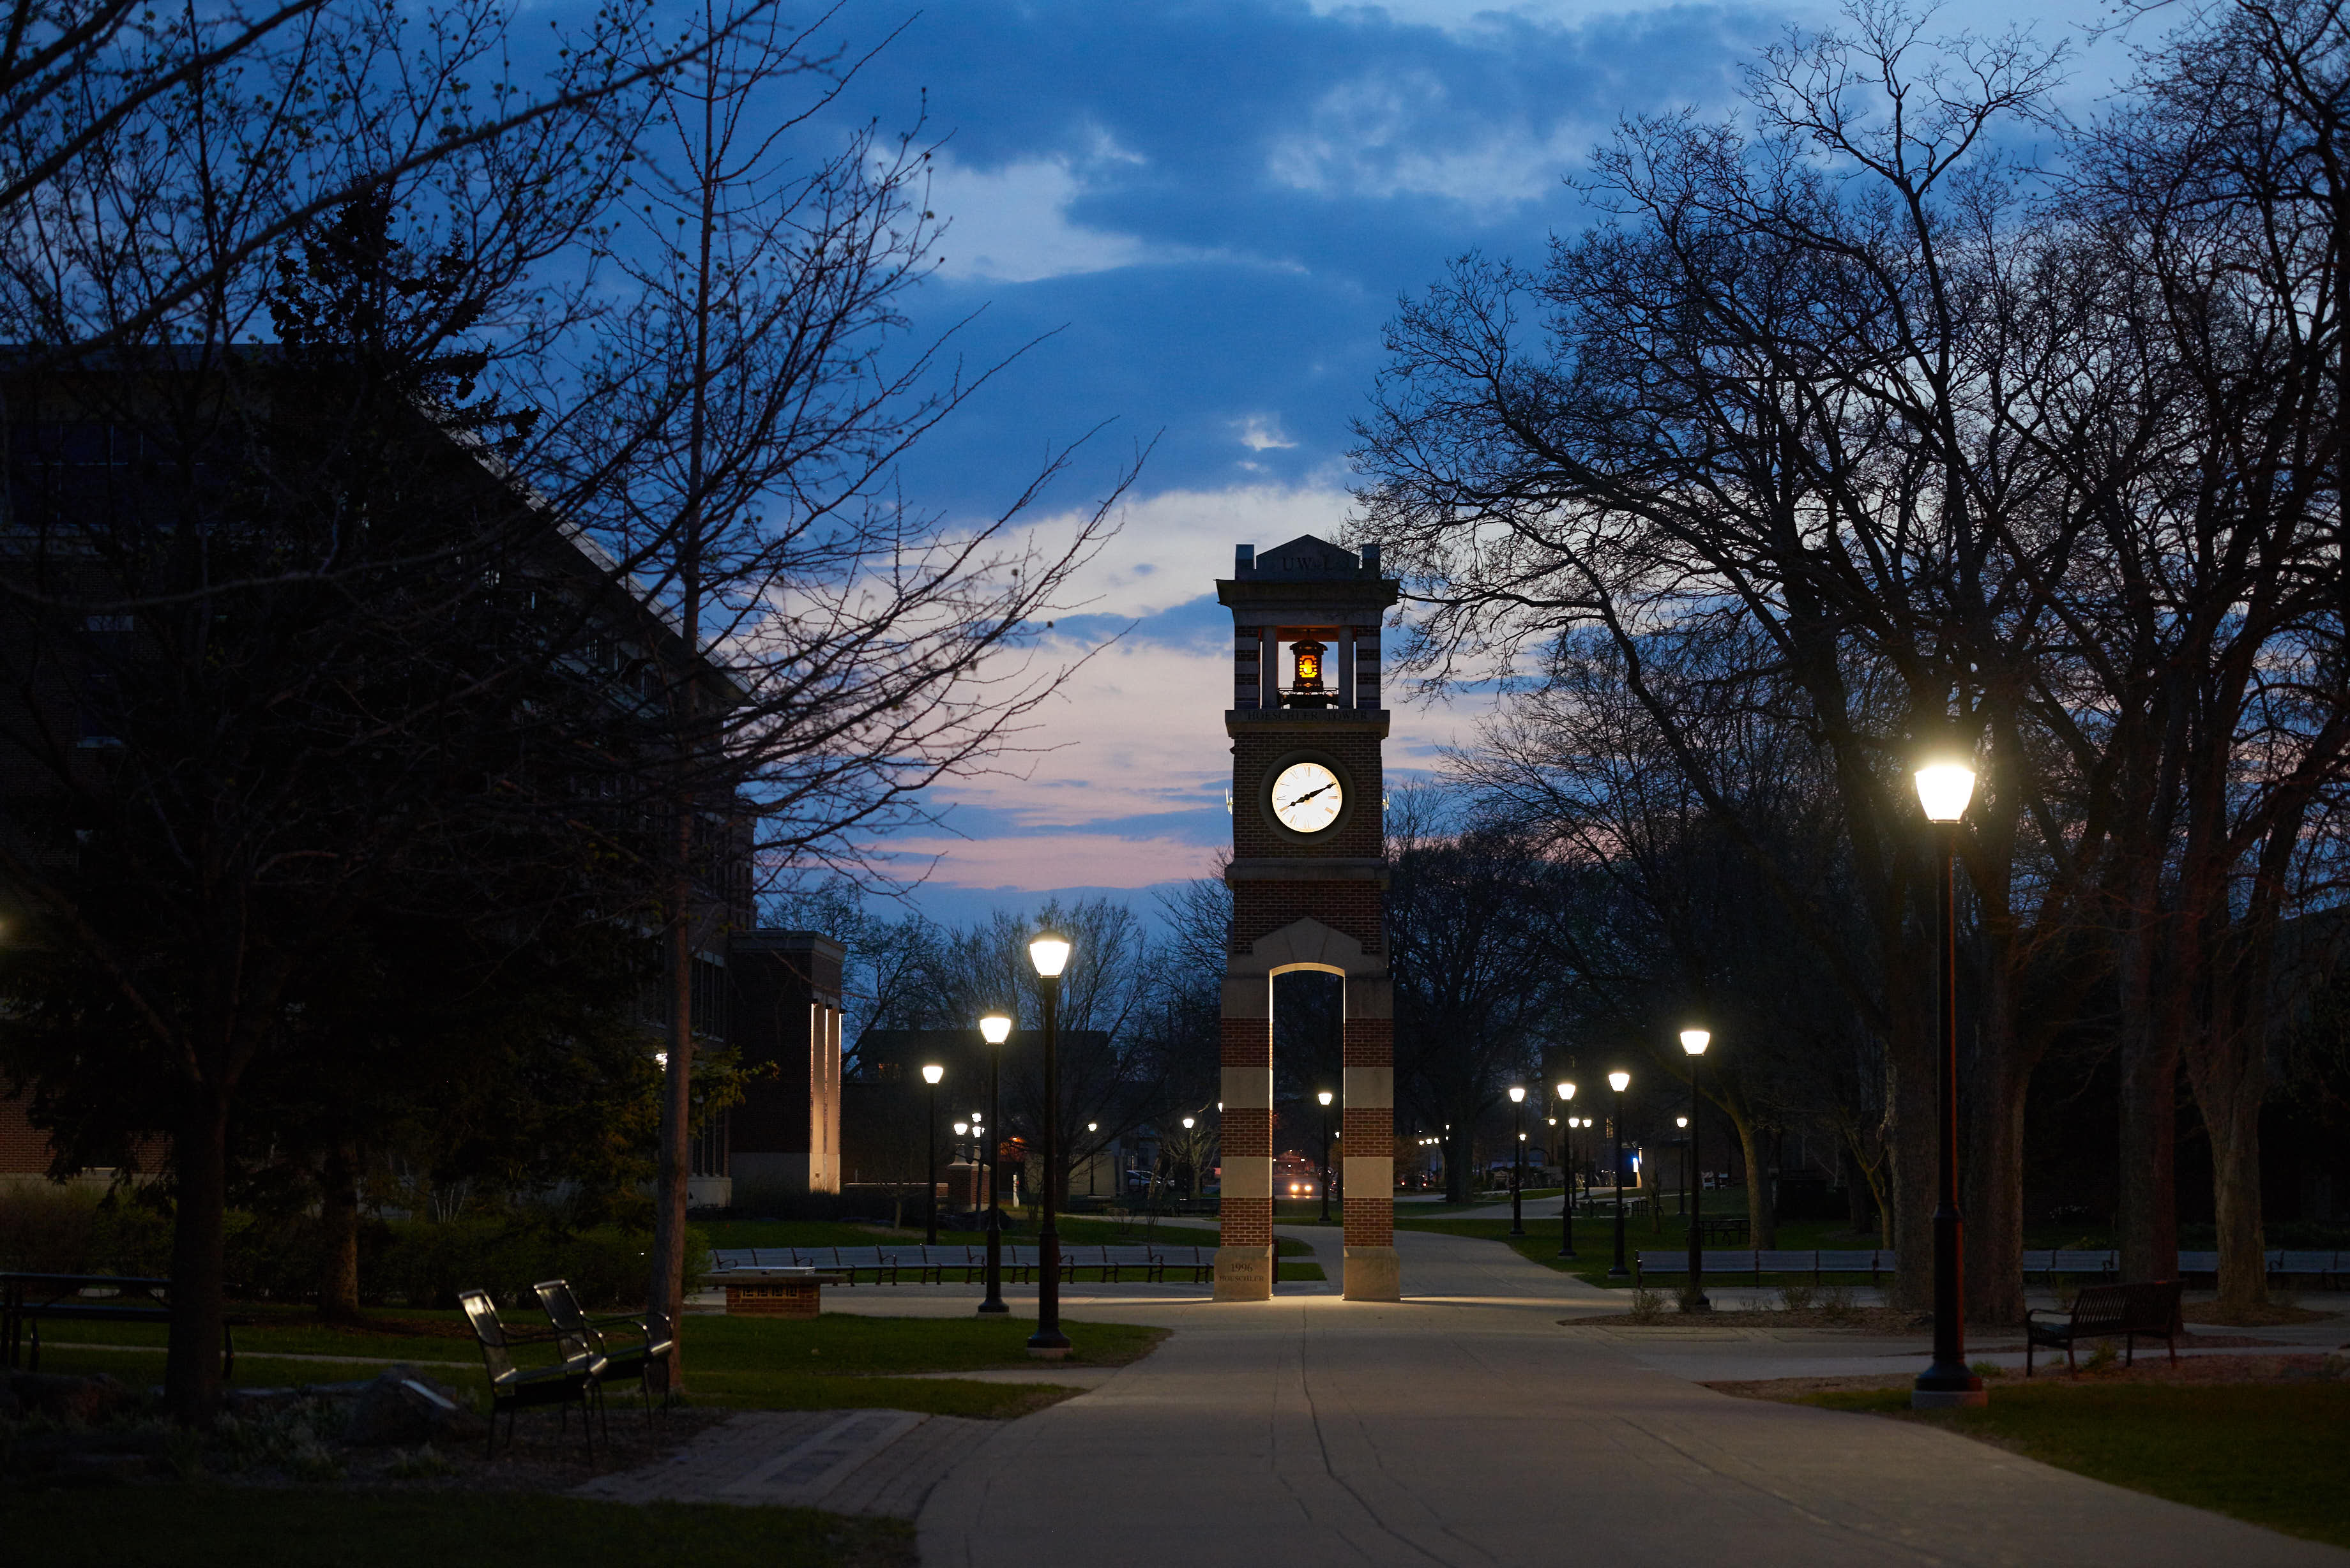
<point>1694,1042</point>
<point>1518,1168</point>
<point>1620,1082</point>
<point>995,1029</point>
<point>1190,1174</point>
<point>1325,1096</point>
<point>1566,1160</point>
<point>1944,788</point>
<point>1682,1207</point>
<point>931,1074</point>
<point>1050,954</point>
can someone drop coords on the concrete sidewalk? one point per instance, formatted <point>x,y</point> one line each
<point>1464,1426</point>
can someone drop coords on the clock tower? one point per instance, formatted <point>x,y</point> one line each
<point>1308,878</point>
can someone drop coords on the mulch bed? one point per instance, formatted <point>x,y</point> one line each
<point>1870,1321</point>
<point>2155,1368</point>
<point>2271,1316</point>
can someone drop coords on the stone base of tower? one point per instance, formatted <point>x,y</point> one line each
<point>1373,1275</point>
<point>1244,1273</point>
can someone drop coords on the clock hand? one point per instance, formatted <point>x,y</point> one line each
<point>1309,795</point>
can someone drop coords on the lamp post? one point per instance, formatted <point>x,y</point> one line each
<point>1518,1168</point>
<point>1694,1042</point>
<point>1620,1082</point>
<point>1190,1174</point>
<point>1050,954</point>
<point>1944,788</point>
<point>1566,1200</point>
<point>931,1074</point>
<point>1682,1206</point>
<point>995,1029</point>
<point>1325,1098</point>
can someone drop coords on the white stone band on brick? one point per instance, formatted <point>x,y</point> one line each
<point>1247,1089</point>
<point>1249,1175</point>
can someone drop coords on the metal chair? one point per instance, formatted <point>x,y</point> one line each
<point>645,1361</point>
<point>514,1388</point>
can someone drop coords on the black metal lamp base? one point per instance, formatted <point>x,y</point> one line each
<point>1947,1388</point>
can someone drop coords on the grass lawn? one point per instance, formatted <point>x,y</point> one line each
<point>1594,1240</point>
<point>2272,1453</point>
<point>837,1361</point>
<point>202,1527</point>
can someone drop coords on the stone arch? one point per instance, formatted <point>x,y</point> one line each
<point>1244,1268</point>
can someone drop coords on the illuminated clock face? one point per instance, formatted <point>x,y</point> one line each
<point>1307,797</point>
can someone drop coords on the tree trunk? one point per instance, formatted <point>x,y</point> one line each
<point>2148,1212</point>
<point>1910,1159</point>
<point>191,1371</point>
<point>1993,1180</point>
<point>338,1234</point>
<point>1761,1223</point>
<point>2151,1000</point>
<point>673,1181</point>
<point>2229,1092</point>
<point>1459,1159</point>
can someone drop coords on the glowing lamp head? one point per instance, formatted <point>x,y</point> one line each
<point>1695,1041</point>
<point>1944,788</point>
<point>1093,1127</point>
<point>961,1129</point>
<point>1566,1091</point>
<point>1050,954</point>
<point>995,1028</point>
<point>1309,664</point>
<point>1620,1082</point>
<point>1517,1095</point>
<point>1680,1121</point>
<point>1188,1124</point>
<point>1325,1096</point>
<point>932,1073</point>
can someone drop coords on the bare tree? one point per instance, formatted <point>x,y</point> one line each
<point>737,431</point>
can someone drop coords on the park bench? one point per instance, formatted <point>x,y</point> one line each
<point>1201,1260</point>
<point>1759,1262</point>
<point>28,1300</point>
<point>2108,1312</point>
<point>2049,1263</point>
<point>2323,1267</point>
<point>1721,1228</point>
<point>2326,1267</point>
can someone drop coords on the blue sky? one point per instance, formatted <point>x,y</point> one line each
<point>1213,208</point>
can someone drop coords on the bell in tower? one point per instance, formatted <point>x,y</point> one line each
<point>1307,692</point>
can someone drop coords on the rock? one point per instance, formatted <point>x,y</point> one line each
<point>67,1398</point>
<point>402,1406</point>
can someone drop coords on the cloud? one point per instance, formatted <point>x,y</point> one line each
<point>1054,861</point>
<point>1173,545</point>
<point>1405,132</point>
<point>1011,224</point>
<point>1262,432</point>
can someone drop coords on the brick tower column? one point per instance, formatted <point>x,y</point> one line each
<point>1308,877</point>
<point>1244,1257</point>
<point>1371,1272</point>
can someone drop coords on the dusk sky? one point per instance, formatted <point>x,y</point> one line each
<point>1215,206</point>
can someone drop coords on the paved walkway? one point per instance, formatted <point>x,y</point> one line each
<point>1465,1427</point>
